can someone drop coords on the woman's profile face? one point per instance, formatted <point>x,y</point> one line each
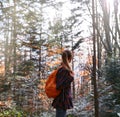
<point>70,60</point>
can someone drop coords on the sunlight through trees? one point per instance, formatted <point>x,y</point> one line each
<point>32,36</point>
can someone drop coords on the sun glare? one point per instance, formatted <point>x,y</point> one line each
<point>110,5</point>
<point>110,1</point>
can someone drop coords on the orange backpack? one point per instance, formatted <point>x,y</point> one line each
<point>50,87</point>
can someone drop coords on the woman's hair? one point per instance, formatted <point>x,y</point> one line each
<point>66,59</point>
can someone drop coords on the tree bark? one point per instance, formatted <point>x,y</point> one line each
<point>14,39</point>
<point>96,103</point>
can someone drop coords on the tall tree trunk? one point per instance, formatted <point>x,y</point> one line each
<point>14,39</point>
<point>106,18</point>
<point>96,104</point>
<point>39,74</point>
<point>73,69</point>
<point>6,54</point>
<point>117,30</point>
<point>98,43</point>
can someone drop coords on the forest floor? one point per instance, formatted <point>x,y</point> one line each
<point>80,109</point>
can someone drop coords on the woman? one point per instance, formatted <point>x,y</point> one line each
<point>64,78</point>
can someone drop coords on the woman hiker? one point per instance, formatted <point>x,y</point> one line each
<point>64,78</point>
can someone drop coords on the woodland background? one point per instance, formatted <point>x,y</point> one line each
<point>32,36</point>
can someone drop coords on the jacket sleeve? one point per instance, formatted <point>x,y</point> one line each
<point>63,79</point>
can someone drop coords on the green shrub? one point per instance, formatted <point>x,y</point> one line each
<point>13,113</point>
<point>111,73</point>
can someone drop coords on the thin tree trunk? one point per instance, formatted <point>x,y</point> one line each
<point>6,52</point>
<point>73,69</point>
<point>117,30</point>
<point>39,74</point>
<point>106,18</point>
<point>14,39</point>
<point>96,105</point>
<point>40,54</point>
<point>98,44</point>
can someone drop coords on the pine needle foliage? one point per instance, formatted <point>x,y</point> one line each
<point>111,73</point>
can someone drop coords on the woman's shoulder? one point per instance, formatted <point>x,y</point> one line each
<point>62,71</point>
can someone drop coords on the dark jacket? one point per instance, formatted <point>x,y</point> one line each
<point>64,99</point>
